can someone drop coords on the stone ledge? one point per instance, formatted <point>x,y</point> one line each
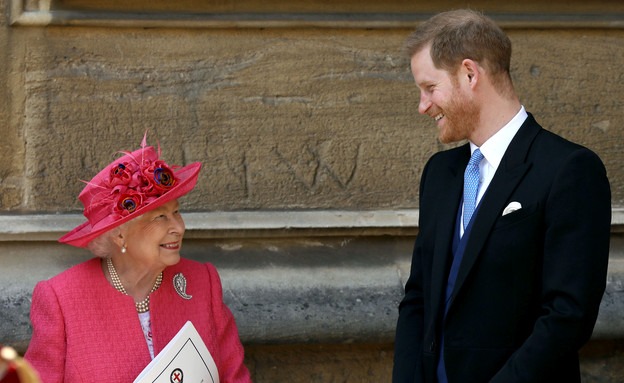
<point>283,291</point>
<point>42,17</point>
<point>240,224</point>
<point>321,311</point>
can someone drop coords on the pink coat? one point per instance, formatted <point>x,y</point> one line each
<point>86,331</point>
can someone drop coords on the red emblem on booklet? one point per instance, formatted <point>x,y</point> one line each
<point>177,376</point>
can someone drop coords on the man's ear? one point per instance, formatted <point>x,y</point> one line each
<point>470,72</point>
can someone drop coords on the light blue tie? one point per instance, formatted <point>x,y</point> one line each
<point>471,185</point>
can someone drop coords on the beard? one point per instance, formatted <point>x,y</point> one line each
<point>462,118</point>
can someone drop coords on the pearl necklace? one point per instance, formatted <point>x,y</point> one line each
<point>143,306</point>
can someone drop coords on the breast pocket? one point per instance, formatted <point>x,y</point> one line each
<point>527,215</point>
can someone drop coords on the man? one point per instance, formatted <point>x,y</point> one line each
<point>510,262</point>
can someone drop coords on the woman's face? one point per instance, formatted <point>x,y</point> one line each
<point>155,239</point>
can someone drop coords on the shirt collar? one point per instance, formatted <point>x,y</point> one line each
<point>494,148</point>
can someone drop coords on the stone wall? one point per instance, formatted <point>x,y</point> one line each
<point>304,115</point>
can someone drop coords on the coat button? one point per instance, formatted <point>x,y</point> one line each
<point>432,347</point>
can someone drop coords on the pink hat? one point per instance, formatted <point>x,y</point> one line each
<point>130,186</point>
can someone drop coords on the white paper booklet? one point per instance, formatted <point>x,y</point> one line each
<point>185,359</point>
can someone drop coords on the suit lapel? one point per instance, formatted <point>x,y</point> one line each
<point>511,171</point>
<point>445,224</point>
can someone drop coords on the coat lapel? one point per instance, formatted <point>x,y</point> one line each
<point>511,171</point>
<point>445,224</point>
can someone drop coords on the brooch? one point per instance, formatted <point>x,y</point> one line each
<point>179,284</point>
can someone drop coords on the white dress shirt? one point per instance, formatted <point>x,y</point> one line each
<point>493,150</point>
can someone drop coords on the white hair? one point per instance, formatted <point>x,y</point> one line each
<point>103,246</point>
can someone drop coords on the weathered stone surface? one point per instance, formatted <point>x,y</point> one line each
<point>601,362</point>
<point>11,142</point>
<point>281,290</point>
<point>611,318</point>
<point>571,81</point>
<point>327,363</point>
<point>281,119</point>
<point>315,290</point>
<point>281,139</point>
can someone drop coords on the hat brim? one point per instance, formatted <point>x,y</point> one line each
<point>187,178</point>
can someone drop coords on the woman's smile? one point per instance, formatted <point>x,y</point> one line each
<point>171,245</point>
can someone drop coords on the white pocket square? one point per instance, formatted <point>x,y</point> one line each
<point>513,206</point>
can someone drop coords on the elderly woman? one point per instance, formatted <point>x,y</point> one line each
<point>104,320</point>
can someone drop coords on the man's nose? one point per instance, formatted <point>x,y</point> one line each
<point>424,104</point>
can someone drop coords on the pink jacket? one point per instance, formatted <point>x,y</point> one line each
<point>86,331</point>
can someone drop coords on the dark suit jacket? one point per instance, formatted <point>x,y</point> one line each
<point>530,282</point>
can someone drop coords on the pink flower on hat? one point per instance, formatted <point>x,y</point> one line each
<point>121,174</point>
<point>158,176</point>
<point>133,186</point>
<point>128,202</point>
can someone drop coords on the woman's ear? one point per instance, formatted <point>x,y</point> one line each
<point>118,236</point>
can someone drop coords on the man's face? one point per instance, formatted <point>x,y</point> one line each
<point>445,99</point>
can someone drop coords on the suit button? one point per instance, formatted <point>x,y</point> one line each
<point>432,347</point>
